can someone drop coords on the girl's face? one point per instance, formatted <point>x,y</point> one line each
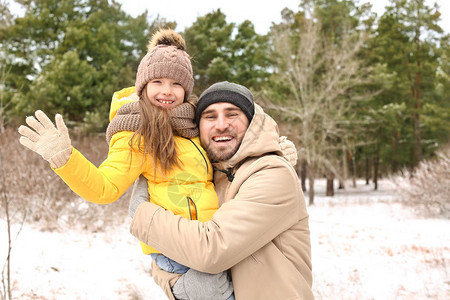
<point>165,92</point>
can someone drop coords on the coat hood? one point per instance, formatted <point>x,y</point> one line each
<point>261,137</point>
<point>120,98</point>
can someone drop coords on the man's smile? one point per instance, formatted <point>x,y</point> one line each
<point>222,138</point>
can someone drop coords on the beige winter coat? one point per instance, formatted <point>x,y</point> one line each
<point>260,231</point>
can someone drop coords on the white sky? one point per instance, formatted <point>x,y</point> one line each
<point>260,13</point>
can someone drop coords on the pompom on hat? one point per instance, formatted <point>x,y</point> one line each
<point>166,58</point>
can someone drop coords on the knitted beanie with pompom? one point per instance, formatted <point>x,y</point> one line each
<point>166,58</point>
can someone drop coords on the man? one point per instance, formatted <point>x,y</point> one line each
<point>261,230</point>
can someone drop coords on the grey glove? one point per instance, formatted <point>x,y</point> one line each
<point>139,194</point>
<point>195,285</point>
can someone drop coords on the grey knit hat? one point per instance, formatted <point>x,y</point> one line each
<point>166,57</point>
<point>225,91</point>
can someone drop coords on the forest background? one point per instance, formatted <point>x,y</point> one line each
<point>361,95</point>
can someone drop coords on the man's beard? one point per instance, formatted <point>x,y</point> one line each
<point>216,154</point>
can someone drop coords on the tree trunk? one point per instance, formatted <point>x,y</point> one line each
<point>303,175</point>
<point>417,139</point>
<point>376,163</point>
<point>376,159</point>
<point>311,186</point>
<point>330,185</point>
<point>351,158</point>
<point>344,167</point>
<point>367,171</point>
<point>353,169</point>
<point>375,173</point>
<point>417,95</point>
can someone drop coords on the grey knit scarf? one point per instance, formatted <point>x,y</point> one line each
<point>129,119</point>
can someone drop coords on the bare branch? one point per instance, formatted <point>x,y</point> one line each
<point>322,76</point>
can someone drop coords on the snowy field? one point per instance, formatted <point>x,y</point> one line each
<point>364,246</point>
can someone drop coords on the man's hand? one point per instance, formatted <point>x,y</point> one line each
<point>203,286</point>
<point>139,194</point>
<point>52,143</point>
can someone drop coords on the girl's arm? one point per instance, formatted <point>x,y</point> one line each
<point>102,185</point>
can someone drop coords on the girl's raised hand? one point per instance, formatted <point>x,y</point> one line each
<point>52,143</point>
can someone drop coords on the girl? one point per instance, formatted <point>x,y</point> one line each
<point>152,133</point>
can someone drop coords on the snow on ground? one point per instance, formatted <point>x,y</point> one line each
<point>364,246</point>
<point>80,265</point>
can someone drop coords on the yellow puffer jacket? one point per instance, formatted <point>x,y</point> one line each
<point>187,191</point>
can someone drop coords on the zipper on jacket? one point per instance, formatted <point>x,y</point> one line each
<point>193,214</point>
<point>204,158</point>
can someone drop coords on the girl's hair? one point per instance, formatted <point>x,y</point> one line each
<point>157,134</point>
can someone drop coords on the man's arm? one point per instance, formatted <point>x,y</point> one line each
<point>268,203</point>
<point>164,279</point>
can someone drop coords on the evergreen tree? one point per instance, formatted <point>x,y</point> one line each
<point>70,56</point>
<point>407,43</point>
<point>223,51</point>
<point>207,41</point>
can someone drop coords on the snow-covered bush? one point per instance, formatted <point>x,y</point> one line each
<point>427,187</point>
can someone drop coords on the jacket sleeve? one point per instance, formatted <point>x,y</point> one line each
<point>111,179</point>
<point>269,202</point>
